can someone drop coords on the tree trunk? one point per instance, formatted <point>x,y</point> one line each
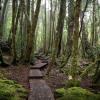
<point>87,49</point>
<point>70,29</point>
<point>60,25</point>
<point>2,17</point>
<point>50,30</point>
<point>14,31</point>
<point>75,39</point>
<point>31,33</point>
<point>93,33</point>
<point>45,30</point>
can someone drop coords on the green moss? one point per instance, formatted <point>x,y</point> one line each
<point>10,90</point>
<point>73,83</point>
<point>60,92</point>
<point>77,93</point>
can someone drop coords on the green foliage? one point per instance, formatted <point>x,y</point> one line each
<point>78,93</point>
<point>60,92</point>
<point>61,61</point>
<point>72,83</point>
<point>97,51</point>
<point>1,76</point>
<point>10,90</point>
<point>89,69</point>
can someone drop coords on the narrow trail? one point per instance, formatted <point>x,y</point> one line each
<point>39,90</point>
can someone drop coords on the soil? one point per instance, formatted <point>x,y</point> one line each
<point>56,79</point>
<point>18,73</point>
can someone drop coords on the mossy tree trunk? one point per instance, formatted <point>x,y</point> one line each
<point>53,26</point>
<point>50,30</point>
<point>87,48</point>
<point>31,32</point>
<point>93,33</point>
<point>2,16</point>
<point>21,36</point>
<point>14,3</point>
<point>45,29</point>
<point>0,19</point>
<point>74,65</point>
<point>59,29</point>
<point>70,29</point>
<point>1,58</point>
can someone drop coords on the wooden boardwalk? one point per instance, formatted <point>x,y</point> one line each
<point>39,90</point>
<point>35,73</point>
<point>38,66</point>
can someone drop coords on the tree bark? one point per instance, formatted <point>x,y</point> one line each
<point>2,17</point>
<point>31,35</point>
<point>60,25</point>
<point>75,39</point>
<point>14,31</point>
<point>70,29</point>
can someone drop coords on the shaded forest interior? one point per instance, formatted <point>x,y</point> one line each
<point>65,34</point>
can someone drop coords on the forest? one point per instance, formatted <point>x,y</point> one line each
<point>49,49</point>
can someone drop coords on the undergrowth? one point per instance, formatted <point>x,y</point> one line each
<point>11,90</point>
<point>76,93</point>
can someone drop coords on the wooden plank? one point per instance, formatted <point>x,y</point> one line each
<point>38,66</point>
<point>39,90</point>
<point>35,73</point>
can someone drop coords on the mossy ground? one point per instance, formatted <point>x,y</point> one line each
<point>76,93</point>
<point>10,90</point>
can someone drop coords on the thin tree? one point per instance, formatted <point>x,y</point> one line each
<point>60,25</point>
<point>70,28</point>
<point>14,31</point>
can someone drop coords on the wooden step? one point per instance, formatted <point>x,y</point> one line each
<point>38,66</point>
<point>39,90</point>
<point>35,73</point>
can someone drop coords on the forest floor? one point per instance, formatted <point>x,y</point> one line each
<point>18,73</point>
<point>58,79</point>
<point>55,80</point>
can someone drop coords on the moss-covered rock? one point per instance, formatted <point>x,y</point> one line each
<point>10,90</point>
<point>77,93</point>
